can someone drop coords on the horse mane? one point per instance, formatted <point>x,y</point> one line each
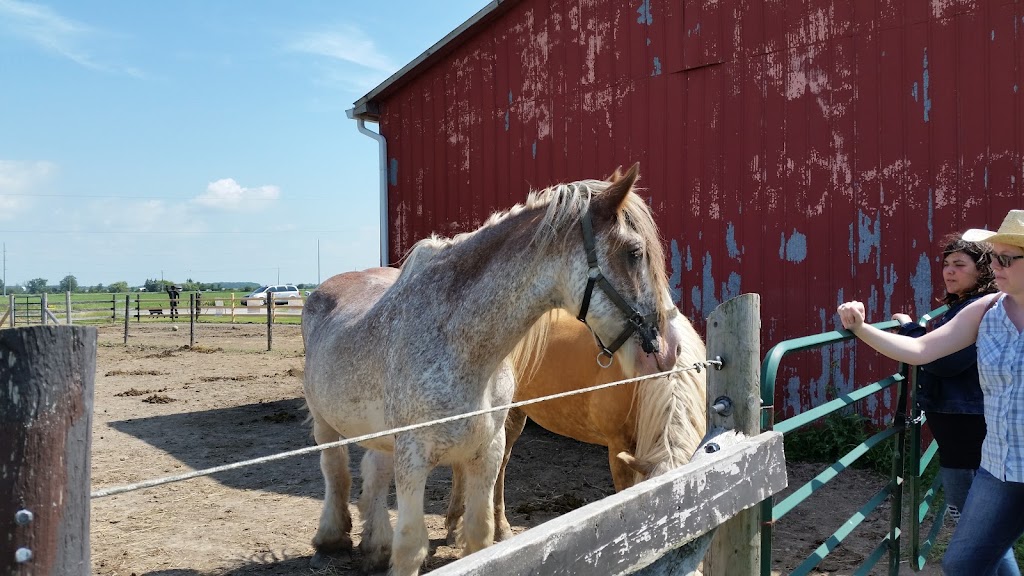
<point>672,412</point>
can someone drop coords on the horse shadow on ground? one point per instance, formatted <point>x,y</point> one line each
<point>546,474</point>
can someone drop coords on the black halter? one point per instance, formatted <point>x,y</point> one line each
<point>635,322</point>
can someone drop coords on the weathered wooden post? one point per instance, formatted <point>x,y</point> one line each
<point>45,435</point>
<point>13,300</point>
<point>42,308</point>
<point>734,402</point>
<point>113,307</point>
<point>270,321</point>
<point>192,320</point>
<point>67,306</point>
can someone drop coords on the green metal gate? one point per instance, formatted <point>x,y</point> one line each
<point>906,419</point>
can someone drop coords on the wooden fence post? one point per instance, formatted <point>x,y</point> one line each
<point>734,335</point>
<point>13,300</point>
<point>45,435</point>
<point>192,320</point>
<point>127,303</point>
<point>42,308</point>
<point>270,321</point>
<point>113,307</point>
<point>67,306</point>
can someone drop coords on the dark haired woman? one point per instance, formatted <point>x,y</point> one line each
<point>948,390</point>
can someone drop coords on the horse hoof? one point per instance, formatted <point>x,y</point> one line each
<point>320,561</point>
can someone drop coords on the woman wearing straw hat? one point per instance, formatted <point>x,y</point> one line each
<point>993,516</point>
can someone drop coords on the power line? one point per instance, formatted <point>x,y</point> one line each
<point>194,232</point>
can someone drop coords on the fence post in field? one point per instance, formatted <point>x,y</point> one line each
<point>113,307</point>
<point>42,308</point>
<point>127,303</point>
<point>232,307</point>
<point>270,321</point>
<point>138,308</point>
<point>192,320</point>
<point>12,310</point>
<point>67,306</point>
<point>734,335</point>
<point>45,436</point>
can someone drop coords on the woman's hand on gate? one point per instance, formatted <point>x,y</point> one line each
<point>852,315</point>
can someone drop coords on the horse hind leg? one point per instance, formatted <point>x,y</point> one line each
<point>456,508</point>
<point>515,422</point>
<point>378,469</point>
<point>335,519</point>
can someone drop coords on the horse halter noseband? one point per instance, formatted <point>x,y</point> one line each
<point>635,321</point>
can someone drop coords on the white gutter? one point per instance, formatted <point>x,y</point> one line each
<point>382,147</point>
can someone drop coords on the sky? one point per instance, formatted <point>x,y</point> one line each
<point>196,140</point>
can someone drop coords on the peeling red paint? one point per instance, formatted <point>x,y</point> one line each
<point>871,129</point>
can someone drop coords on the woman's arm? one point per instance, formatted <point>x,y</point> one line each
<point>957,334</point>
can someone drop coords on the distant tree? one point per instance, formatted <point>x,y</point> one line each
<point>118,287</point>
<point>69,284</point>
<point>36,286</point>
<point>155,285</point>
<point>98,289</point>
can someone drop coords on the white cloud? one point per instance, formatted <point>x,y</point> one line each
<point>348,44</point>
<point>226,194</point>
<point>54,33</point>
<point>48,29</point>
<point>18,181</point>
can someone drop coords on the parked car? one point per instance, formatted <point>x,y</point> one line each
<point>281,294</point>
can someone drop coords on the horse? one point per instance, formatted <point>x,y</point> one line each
<point>436,343</point>
<point>649,427</point>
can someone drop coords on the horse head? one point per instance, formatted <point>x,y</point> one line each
<point>623,279</point>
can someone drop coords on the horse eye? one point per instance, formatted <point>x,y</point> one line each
<point>636,255</point>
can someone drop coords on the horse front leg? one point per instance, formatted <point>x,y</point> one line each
<point>515,422</point>
<point>335,519</point>
<point>411,543</point>
<point>480,478</point>
<point>377,469</point>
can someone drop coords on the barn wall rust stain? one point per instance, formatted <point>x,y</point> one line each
<point>811,152</point>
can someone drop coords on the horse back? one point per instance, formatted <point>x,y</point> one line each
<point>350,294</point>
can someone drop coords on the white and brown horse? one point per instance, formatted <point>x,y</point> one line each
<point>437,342</point>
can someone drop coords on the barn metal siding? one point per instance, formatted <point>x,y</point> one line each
<point>812,151</point>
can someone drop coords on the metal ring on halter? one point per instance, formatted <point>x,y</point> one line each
<point>610,356</point>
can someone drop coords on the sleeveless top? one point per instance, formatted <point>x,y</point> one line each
<point>1001,371</point>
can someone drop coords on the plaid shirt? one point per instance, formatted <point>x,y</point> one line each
<point>1001,368</point>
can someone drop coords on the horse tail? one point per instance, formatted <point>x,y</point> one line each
<point>672,411</point>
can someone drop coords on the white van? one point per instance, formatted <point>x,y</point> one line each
<point>281,292</point>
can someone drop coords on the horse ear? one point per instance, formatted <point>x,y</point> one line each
<point>615,176</point>
<point>642,468</point>
<point>615,195</point>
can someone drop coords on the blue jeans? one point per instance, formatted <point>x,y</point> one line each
<point>991,521</point>
<point>955,484</point>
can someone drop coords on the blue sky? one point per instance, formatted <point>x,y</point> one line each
<point>196,139</point>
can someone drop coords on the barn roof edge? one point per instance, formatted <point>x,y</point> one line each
<point>367,108</point>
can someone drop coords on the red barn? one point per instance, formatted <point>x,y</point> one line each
<point>812,151</point>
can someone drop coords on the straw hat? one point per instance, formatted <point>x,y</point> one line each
<point>1011,231</point>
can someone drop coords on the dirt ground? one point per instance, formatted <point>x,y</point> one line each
<point>163,408</point>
